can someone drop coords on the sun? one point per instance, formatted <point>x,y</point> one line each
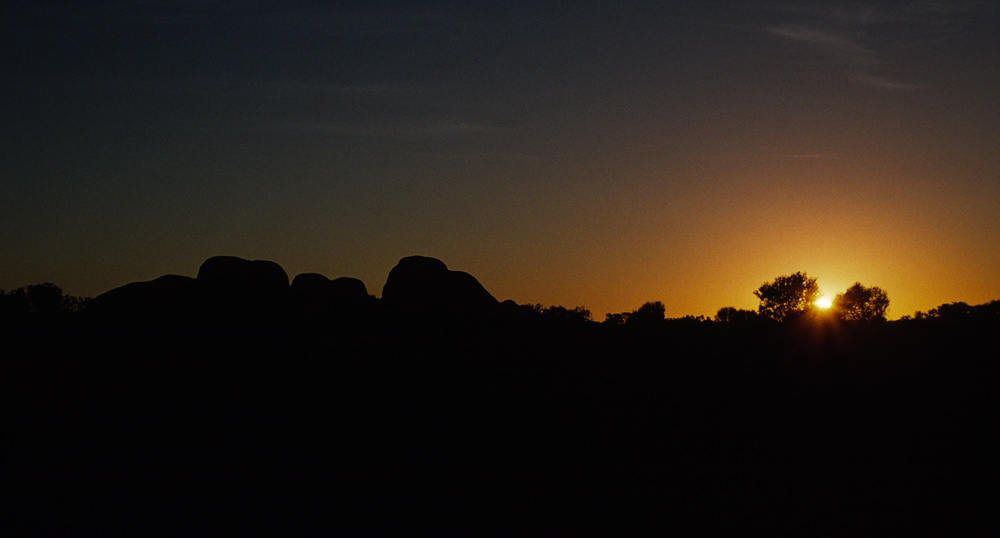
<point>823,302</point>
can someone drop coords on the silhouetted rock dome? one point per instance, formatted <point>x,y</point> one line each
<point>308,281</point>
<point>346,288</point>
<point>419,283</point>
<point>239,290</point>
<point>313,294</point>
<point>168,298</point>
<point>233,271</point>
<point>339,289</point>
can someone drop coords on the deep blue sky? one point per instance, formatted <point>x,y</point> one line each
<point>600,154</point>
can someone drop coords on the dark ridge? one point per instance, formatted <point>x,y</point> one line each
<point>336,413</point>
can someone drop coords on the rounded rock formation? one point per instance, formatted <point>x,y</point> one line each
<point>243,290</point>
<point>315,296</point>
<point>421,284</point>
<point>170,299</point>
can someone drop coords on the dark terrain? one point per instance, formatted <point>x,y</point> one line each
<point>391,423</point>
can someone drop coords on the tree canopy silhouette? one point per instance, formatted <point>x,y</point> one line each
<point>731,314</point>
<point>860,303</point>
<point>562,314</point>
<point>787,297</point>
<point>37,300</point>
<point>649,314</point>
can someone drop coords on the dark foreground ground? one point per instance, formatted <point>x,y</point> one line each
<point>705,429</point>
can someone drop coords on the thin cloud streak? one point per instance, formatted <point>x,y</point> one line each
<point>885,83</point>
<point>845,33</point>
<point>836,46</point>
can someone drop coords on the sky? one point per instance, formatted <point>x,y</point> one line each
<point>595,154</point>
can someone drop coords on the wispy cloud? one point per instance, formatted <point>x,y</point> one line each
<point>886,83</point>
<point>835,46</point>
<point>862,39</point>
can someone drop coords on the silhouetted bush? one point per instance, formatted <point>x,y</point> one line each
<point>860,303</point>
<point>787,297</point>
<point>650,314</point>
<point>729,314</point>
<point>561,314</point>
<point>959,311</point>
<point>951,311</point>
<point>987,310</point>
<point>38,302</point>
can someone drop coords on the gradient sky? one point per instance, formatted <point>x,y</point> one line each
<point>596,154</point>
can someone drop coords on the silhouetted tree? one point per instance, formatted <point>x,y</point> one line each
<point>578,314</point>
<point>787,297</point>
<point>987,310</point>
<point>959,311</point>
<point>729,314</point>
<point>44,299</point>
<point>860,303</point>
<point>951,311</point>
<point>616,319</point>
<point>690,318</point>
<point>648,313</point>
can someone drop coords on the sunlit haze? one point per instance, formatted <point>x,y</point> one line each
<point>602,154</point>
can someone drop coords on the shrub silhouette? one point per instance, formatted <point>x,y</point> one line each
<point>729,314</point>
<point>649,314</point>
<point>45,300</point>
<point>987,310</point>
<point>860,303</point>
<point>951,311</point>
<point>787,297</point>
<point>578,313</point>
<point>959,311</point>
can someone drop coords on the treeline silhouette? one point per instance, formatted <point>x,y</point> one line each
<point>240,402</point>
<point>230,290</point>
<point>960,311</point>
